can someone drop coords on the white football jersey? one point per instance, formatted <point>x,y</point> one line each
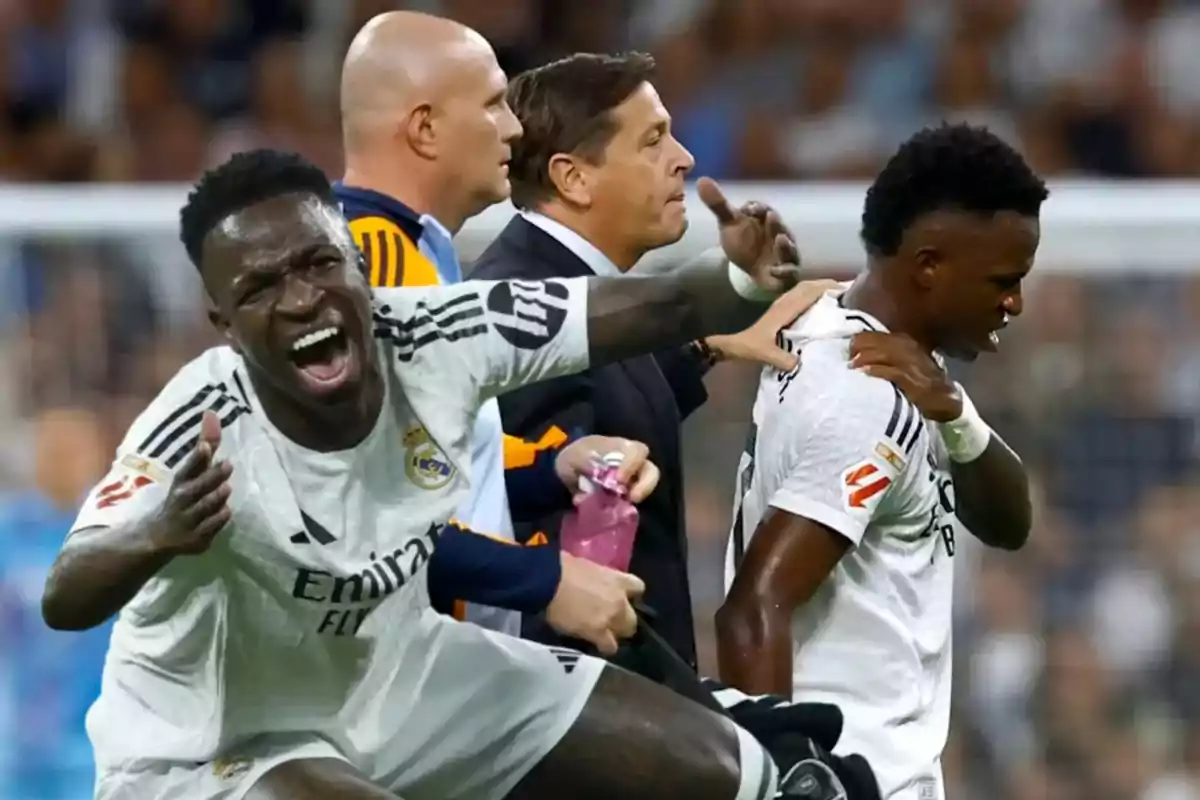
<point>264,632</point>
<point>836,446</point>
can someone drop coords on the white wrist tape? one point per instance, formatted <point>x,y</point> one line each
<point>968,436</point>
<point>745,286</point>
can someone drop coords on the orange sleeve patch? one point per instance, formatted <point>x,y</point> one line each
<point>519,453</point>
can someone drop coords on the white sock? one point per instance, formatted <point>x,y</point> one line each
<point>759,778</point>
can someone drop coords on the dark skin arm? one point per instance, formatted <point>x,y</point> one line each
<point>992,492</point>
<point>992,496</point>
<point>632,315</point>
<point>100,569</point>
<point>629,316</point>
<point>787,560</point>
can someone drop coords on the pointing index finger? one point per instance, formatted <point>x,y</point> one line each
<point>712,196</point>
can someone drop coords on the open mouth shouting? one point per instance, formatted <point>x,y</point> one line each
<point>324,359</point>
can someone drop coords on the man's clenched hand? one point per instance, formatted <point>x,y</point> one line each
<point>594,603</point>
<point>637,472</point>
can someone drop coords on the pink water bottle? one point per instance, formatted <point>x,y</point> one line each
<point>602,526</point>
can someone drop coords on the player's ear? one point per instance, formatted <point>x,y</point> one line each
<point>927,260</point>
<point>572,181</point>
<point>219,321</point>
<point>419,129</point>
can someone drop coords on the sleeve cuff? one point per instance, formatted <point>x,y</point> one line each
<point>479,569</point>
<point>832,518</point>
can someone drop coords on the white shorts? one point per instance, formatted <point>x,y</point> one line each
<point>452,710</point>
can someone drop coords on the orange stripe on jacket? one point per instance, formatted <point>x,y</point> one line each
<point>520,453</point>
<point>459,612</point>
<point>393,259</point>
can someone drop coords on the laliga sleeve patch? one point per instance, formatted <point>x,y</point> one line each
<point>528,314</point>
<point>117,491</point>
<point>144,467</point>
<point>127,478</point>
<point>864,485</point>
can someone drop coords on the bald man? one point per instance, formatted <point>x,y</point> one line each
<point>424,117</point>
<point>427,134</point>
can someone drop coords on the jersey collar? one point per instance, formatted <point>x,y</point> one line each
<point>371,202</point>
<point>584,250</point>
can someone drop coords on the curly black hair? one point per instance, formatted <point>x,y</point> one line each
<point>957,166</point>
<point>245,179</point>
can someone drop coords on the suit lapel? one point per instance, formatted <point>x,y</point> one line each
<point>642,371</point>
<point>554,257</point>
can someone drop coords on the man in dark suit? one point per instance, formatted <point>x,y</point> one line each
<point>600,181</point>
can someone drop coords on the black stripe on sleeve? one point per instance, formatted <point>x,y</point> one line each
<point>195,402</point>
<point>908,448</point>
<point>910,414</point>
<point>897,408</point>
<point>237,379</point>
<point>180,452</point>
<point>459,318</point>
<point>183,424</point>
<point>219,401</point>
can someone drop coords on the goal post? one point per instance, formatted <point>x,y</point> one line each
<point>1087,226</point>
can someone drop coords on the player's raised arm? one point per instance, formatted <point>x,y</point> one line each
<point>722,291</point>
<point>510,333</point>
<point>132,525</point>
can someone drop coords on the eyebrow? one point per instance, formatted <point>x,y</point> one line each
<point>254,273</point>
<point>661,126</point>
<point>269,263</point>
<point>1010,275</point>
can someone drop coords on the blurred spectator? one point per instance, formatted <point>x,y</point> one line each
<point>55,676</point>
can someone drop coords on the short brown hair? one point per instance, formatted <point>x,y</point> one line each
<point>566,107</point>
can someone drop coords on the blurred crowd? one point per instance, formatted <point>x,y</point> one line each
<point>1078,658</point>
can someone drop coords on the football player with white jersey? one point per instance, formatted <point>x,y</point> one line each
<point>866,463</point>
<point>265,546</point>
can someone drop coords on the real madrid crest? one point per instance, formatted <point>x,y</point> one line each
<point>424,462</point>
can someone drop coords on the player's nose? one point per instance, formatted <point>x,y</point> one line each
<point>512,128</point>
<point>1013,304</point>
<point>300,298</point>
<point>686,161</point>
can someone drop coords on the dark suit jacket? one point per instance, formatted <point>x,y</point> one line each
<point>644,398</point>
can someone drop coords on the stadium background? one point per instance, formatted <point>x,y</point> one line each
<point>1077,659</point>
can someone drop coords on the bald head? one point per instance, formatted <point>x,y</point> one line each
<point>424,116</point>
<point>400,60</point>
